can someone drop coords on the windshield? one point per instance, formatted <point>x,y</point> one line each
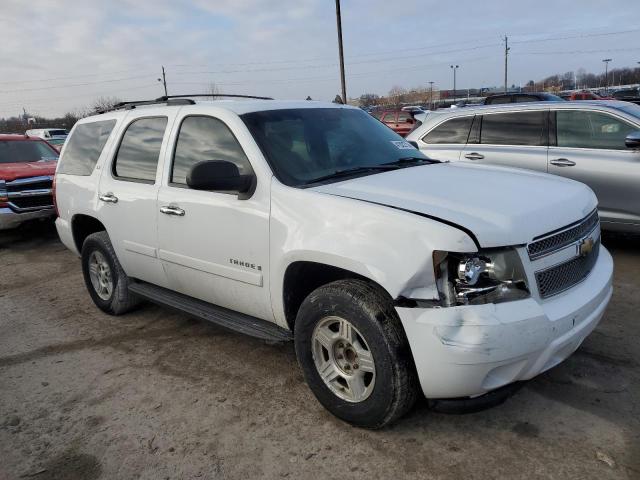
<point>58,133</point>
<point>630,108</point>
<point>306,144</point>
<point>23,151</point>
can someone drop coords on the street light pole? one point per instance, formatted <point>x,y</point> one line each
<point>606,75</point>
<point>454,68</point>
<point>340,52</point>
<point>431,95</point>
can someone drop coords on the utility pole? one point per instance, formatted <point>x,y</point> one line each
<point>606,75</point>
<point>340,52</point>
<point>431,95</point>
<point>506,56</point>
<point>164,81</point>
<point>454,68</point>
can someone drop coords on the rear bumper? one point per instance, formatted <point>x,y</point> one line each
<point>10,219</point>
<point>66,235</point>
<point>470,350</point>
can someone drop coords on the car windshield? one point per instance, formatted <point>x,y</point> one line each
<point>630,108</point>
<point>57,133</point>
<point>22,151</point>
<point>312,144</point>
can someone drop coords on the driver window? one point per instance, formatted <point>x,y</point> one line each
<point>205,138</point>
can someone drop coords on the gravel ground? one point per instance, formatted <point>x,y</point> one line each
<point>155,394</point>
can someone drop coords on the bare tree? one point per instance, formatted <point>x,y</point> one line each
<point>101,104</point>
<point>213,89</point>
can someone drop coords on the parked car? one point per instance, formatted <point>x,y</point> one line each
<point>27,166</point>
<point>521,98</point>
<point>399,121</point>
<point>590,141</point>
<point>587,95</point>
<point>628,95</point>
<point>313,222</point>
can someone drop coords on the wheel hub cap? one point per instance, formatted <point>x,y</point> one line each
<point>100,275</point>
<point>343,359</point>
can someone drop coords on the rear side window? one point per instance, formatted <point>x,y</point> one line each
<point>389,117</point>
<point>455,130</point>
<point>84,147</point>
<point>403,117</point>
<point>202,139</point>
<point>137,157</point>
<point>518,128</point>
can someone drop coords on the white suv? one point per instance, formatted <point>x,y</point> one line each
<point>314,222</point>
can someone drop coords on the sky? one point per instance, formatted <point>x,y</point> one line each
<point>58,56</point>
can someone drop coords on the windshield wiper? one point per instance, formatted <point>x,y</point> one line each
<point>411,161</point>
<point>354,171</point>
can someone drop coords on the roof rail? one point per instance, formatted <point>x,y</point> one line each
<point>137,103</point>
<point>213,95</point>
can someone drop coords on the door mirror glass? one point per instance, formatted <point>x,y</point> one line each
<point>219,175</point>
<point>633,140</point>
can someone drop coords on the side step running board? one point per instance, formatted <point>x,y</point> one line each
<point>238,322</point>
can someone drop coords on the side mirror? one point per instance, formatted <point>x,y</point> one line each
<point>633,140</point>
<point>219,175</point>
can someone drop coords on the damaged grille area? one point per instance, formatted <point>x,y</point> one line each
<point>551,243</point>
<point>561,277</point>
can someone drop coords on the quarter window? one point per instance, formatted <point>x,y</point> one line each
<point>85,146</point>
<point>137,157</point>
<point>453,131</point>
<point>580,129</point>
<point>518,128</point>
<point>205,138</point>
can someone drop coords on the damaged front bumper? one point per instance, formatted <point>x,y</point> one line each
<point>467,351</point>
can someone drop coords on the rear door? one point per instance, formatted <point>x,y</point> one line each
<point>128,193</point>
<point>447,139</point>
<point>513,139</point>
<point>589,147</point>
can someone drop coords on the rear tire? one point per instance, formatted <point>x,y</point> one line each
<point>104,277</point>
<point>349,331</point>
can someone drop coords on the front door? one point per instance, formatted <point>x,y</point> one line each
<point>590,148</point>
<point>214,246</point>
<point>128,193</point>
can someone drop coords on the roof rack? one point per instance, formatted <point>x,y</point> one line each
<point>213,95</point>
<point>175,100</point>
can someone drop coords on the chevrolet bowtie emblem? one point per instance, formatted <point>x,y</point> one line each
<point>585,246</point>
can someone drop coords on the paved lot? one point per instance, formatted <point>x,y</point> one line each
<point>155,394</point>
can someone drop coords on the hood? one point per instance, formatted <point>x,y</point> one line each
<point>12,171</point>
<point>500,206</point>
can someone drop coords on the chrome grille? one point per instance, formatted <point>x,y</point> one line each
<point>32,193</point>
<point>568,235</point>
<point>559,278</point>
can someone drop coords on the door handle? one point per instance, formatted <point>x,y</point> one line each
<point>108,197</point>
<point>172,210</point>
<point>474,156</point>
<point>562,162</point>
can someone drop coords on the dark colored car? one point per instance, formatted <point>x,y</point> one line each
<point>399,121</point>
<point>522,97</point>
<point>628,95</point>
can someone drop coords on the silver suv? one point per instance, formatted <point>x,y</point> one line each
<point>594,142</point>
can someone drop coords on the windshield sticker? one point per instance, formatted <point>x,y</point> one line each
<point>402,145</point>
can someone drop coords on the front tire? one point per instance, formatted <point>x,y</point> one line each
<point>354,354</point>
<point>104,277</point>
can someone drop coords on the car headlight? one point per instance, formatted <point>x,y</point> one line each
<point>488,276</point>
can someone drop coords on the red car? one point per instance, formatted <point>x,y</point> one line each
<point>27,167</point>
<point>587,95</point>
<point>397,120</point>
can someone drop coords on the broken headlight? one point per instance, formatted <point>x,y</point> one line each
<point>489,276</point>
